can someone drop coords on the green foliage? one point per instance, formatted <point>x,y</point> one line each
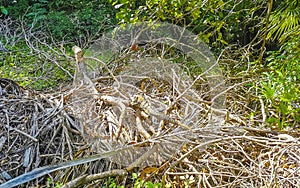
<point>70,20</point>
<point>32,70</point>
<point>285,20</point>
<point>281,89</point>
<point>17,9</point>
<point>80,18</point>
<point>111,183</point>
<point>3,10</point>
<point>217,22</point>
<point>139,183</point>
<point>37,12</point>
<point>51,184</point>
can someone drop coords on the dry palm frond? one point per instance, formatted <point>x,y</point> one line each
<point>148,103</point>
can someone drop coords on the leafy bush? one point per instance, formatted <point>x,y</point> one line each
<point>218,23</point>
<point>65,20</point>
<point>285,20</point>
<point>281,88</point>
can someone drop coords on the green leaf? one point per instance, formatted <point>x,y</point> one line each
<point>134,176</point>
<point>30,14</point>
<point>273,120</point>
<point>120,14</point>
<point>268,91</point>
<point>284,108</point>
<point>4,10</point>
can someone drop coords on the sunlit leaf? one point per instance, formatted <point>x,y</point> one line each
<point>4,10</point>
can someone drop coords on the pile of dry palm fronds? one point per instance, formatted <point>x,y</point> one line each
<point>149,118</point>
<point>35,131</point>
<point>168,128</point>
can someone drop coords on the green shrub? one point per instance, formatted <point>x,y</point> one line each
<point>217,23</point>
<point>65,20</point>
<point>281,88</point>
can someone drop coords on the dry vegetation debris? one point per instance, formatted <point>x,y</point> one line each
<point>153,121</point>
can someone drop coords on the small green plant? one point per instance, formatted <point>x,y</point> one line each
<point>50,184</point>
<point>139,183</point>
<point>281,89</point>
<point>3,10</point>
<point>38,11</point>
<point>111,183</point>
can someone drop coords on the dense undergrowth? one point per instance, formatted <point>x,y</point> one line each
<point>33,71</point>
